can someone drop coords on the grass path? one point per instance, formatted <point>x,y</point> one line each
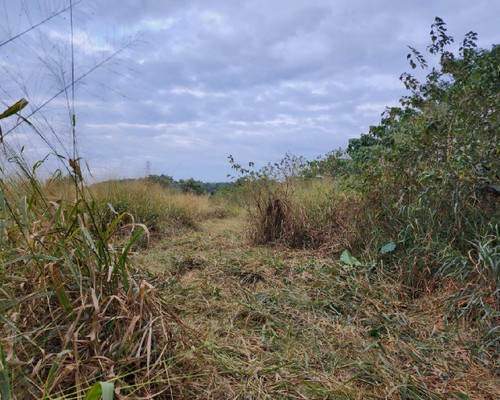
<point>275,323</point>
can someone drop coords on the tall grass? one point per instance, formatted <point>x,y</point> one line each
<point>301,213</point>
<point>73,310</point>
<point>161,209</point>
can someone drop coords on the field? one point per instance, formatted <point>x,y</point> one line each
<point>276,323</point>
<point>200,308</point>
<point>370,272</point>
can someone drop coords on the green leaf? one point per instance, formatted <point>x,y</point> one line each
<point>388,248</point>
<point>348,259</point>
<point>100,390</point>
<point>374,333</point>
<point>36,257</point>
<point>123,258</point>
<point>14,108</point>
<point>115,222</point>
<point>23,207</point>
<point>495,187</point>
<point>461,396</point>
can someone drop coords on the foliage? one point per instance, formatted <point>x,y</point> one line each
<point>190,185</point>
<point>214,187</point>
<point>163,180</point>
<point>431,167</point>
<point>336,164</point>
<point>286,207</point>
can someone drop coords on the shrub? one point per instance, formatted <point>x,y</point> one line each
<point>429,170</point>
<point>286,208</point>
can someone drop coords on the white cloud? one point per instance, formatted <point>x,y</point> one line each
<point>158,24</point>
<point>211,78</point>
<point>83,41</point>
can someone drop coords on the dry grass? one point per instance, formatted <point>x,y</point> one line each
<point>290,324</point>
<point>160,209</point>
<point>73,310</point>
<point>305,214</point>
<point>209,316</point>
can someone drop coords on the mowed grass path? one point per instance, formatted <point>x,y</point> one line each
<point>275,323</point>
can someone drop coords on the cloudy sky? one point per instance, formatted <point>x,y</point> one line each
<point>190,82</point>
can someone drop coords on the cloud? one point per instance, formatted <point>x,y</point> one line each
<point>211,78</point>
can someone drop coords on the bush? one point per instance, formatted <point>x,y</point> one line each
<point>430,170</point>
<point>286,208</point>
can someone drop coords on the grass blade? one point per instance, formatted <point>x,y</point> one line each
<point>5,392</point>
<point>104,390</point>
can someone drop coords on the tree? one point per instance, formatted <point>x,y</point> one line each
<point>163,180</point>
<point>192,186</point>
<point>446,132</point>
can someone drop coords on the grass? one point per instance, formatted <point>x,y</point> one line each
<point>302,214</point>
<point>160,209</point>
<point>74,311</point>
<point>206,313</point>
<point>281,323</point>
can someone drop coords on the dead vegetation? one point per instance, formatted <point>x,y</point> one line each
<point>278,323</point>
<point>73,310</point>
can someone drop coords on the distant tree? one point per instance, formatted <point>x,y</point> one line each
<point>163,180</point>
<point>192,186</point>
<point>214,187</point>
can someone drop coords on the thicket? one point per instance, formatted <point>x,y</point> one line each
<point>419,193</point>
<point>430,170</point>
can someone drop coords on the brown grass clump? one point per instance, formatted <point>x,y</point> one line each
<point>309,215</point>
<point>72,309</point>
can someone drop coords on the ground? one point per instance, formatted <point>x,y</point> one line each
<point>275,323</point>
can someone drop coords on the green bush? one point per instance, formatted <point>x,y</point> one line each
<point>430,170</point>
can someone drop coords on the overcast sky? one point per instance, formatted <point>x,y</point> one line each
<point>205,79</point>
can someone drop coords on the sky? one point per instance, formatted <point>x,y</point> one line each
<point>174,87</point>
